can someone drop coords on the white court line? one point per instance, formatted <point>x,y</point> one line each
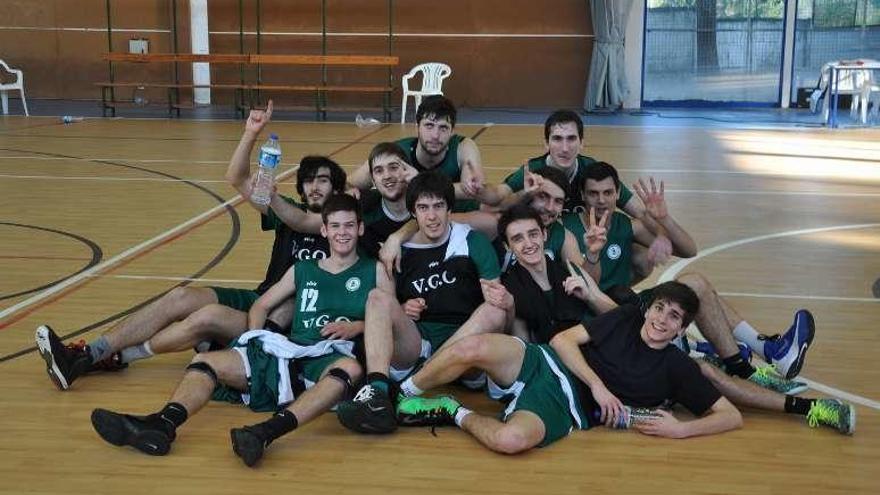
<point>182,279</point>
<point>680,265</point>
<point>801,296</point>
<point>110,179</point>
<point>773,193</point>
<point>825,389</point>
<point>117,159</point>
<point>245,282</point>
<point>123,255</point>
<point>670,191</point>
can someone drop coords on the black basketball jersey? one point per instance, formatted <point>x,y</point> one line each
<point>447,274</point>
<point>289,247</point>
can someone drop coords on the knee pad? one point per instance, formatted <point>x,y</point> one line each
<point>343,376</point>
<point>203,367</point>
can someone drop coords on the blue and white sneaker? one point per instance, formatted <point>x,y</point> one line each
<point>787,352</point>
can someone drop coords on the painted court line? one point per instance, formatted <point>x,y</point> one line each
<point>836,392</point>
<point>680,265</point>
<point>36,298</point>
<point>163,237</point>
<point>182,279</point>
<point>236,281</point>
<point>670,191</point>
<point>801,296</point>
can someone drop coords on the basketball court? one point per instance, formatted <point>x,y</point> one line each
<point>102,216</point>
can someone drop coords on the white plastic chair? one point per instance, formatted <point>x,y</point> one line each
<point>18,84</point>
<point>433,74</point>
<point>849,82</point>
<point>869,88</point>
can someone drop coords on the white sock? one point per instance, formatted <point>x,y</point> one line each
<point>745,333</point>
<point>409,389</point>
<point>460,414</point>
<point>135,352</point>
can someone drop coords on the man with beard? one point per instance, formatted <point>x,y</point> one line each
<point>188,316</point>
<point>437,147</point>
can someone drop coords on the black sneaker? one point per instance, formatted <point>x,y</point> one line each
<point>112,363</point>
<point>63,363</point>
<point>150,434</point>
<point>248,442</point>
<point>371,411</point>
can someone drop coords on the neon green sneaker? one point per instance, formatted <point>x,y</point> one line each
<point>767,377</point>
<point>834,413</point>
<point>421,411</point>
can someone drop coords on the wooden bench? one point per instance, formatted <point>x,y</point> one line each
<point>248,91</point>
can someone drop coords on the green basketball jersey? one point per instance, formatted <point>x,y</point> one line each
<point>573,200</point>
<point>616,256</point>
<point>449,166</point>
<point>323,297</point>
<point>289,247</point>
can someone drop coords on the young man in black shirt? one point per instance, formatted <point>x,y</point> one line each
<point>567,298</point>
<point>583,378</point>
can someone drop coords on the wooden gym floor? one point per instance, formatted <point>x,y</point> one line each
<point>100,216</point>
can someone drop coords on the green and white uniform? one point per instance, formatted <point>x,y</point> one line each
<point>447,275</point>
<point>545,387</point>
<point>321,298</point>
<point>552,247</point>
<point>448,167</point>
<point>574,201</point>
<point>289,247</point>
<point>616,256</point>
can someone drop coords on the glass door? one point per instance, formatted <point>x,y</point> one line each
<point>713,52</point>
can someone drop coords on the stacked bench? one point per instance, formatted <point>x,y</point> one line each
<point>250,87</point>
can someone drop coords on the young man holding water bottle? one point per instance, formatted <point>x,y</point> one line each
<point>189,316</point>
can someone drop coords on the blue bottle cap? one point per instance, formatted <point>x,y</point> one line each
<point>273,136</point>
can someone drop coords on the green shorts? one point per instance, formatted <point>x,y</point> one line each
<point>546,392</point>
<point>240,299</point>
<point>264,383</point>
<point>436,333</point>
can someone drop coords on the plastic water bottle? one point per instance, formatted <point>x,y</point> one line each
<point>360,121</point>
<point>634,415</point>
<point>270,157</point>
<point>139,96</point>
<point>69,119</point>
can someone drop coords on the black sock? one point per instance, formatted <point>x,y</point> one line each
<point>737,366</point>
<point>174,413</point>
<point>281,423</point>
<point>380,381</point>
<point>798,405</point>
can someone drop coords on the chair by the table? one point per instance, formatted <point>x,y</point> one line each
<point>18,84</point>
<point>433,74</point>
<point>869,90</point>
<point>849,82</point>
